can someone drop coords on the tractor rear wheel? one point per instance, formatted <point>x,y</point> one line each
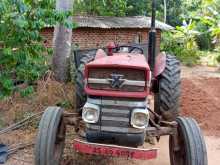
<point>80,93</point>
<point>191,148</point>
<point>166,100</point>
<point>51,137</point>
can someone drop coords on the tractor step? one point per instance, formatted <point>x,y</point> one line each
<point>114,150</point>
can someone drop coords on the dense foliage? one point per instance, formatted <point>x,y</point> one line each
<point>97,7</point>
<point>182,43</point>
<point>22,53</point>
<point>129,8</point>
<point>200,31</point>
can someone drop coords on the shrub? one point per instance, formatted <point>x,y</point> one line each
<point>22,53</point>
<point>204,39</point>
<point>182,43</point>
<point>218,59</point>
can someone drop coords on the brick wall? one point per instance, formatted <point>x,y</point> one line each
<point>86,38</point>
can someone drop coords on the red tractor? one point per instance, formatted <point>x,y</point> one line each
<point>113,116</point>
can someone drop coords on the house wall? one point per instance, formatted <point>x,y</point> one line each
<point>86,38</point>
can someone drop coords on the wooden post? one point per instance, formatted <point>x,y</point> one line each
<point>62,44</point>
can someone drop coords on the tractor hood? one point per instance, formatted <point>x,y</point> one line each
<point>133,68</point>
<point>121,60</point>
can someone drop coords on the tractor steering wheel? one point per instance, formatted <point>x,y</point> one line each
<point>136,50</point>
<point>129,49</point>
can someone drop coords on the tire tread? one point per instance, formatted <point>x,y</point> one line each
<point>80,93</point>
<point>196,153</point>
<point>47,129</point>
<point>167,99</point>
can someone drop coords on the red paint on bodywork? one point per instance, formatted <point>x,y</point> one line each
<point>113,150</point>
<point>136,61</point>
<point>160,64</point>
<point>111,46</point>
<point>116,93</point>
<point>100,54</point>
<point>119,60</point>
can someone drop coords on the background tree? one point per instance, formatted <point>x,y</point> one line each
<point>174,12</point>
<point>101,8</point>
<point>130,8</point>
<point>165,10</point>
<point>62,43</point>
<point>23,56</point>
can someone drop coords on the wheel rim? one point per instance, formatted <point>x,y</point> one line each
<point>177,157</point>
<point>59,142</point>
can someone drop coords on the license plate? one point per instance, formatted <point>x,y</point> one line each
<point>114,150</point>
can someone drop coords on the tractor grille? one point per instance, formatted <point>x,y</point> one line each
<point>116,120</point>
<point>127,80</point>
<point>115,116</point>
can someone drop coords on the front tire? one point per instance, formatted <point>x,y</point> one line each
<point>51,138</point>
<point>192,148</point>
<point>166,100</point>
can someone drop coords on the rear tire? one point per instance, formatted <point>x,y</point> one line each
<point>80,93</point>
<point>192,148</point>
<point>51,138</point>
<point>166,100</point>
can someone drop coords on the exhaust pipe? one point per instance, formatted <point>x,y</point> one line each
<point>152,38</point>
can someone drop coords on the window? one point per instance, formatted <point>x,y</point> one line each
<point>138,38</point>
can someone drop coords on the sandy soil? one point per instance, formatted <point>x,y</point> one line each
<point>200,99</point>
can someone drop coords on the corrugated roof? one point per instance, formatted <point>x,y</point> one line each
<point>118,22</point>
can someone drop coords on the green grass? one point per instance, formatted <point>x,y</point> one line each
<point>209,58</point>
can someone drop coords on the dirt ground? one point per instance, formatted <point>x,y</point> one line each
<point>200,99</point>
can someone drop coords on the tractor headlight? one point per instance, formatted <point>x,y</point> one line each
<point>90,113</point>
<point>140,118</point>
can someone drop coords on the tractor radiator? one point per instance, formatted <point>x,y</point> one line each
<point>123,79</point>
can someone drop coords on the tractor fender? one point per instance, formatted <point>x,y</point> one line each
<point>100,54</point>
<point>160,64</point>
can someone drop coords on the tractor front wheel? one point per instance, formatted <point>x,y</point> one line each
<point>191,148</point>
<point>51,138</point>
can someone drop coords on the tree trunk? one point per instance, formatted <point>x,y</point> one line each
<point>62,44</point>
<point>165,10</point>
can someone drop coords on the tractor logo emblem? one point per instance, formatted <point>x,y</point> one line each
<point>116,81</point>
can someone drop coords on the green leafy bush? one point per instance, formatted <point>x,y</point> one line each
<point>218,59</point>
<point>204,41</point>
<point>22,53</point>
<point>182,43</point>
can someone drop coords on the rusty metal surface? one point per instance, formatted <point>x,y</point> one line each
<point>162,131</point>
